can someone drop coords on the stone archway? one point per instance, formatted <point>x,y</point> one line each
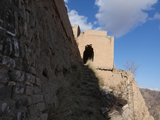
<point>88,53</point>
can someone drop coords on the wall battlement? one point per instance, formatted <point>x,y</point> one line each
<point>95,33</point>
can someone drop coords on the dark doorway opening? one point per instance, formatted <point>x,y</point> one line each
<point>88,53</point>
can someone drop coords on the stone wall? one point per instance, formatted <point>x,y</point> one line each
<point>102,44</point>
<point>36,49</point>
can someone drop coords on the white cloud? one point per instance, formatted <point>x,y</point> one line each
<point>121,16</point>
<point>95,22</point>
<point>157,16</point>
<point>66,1</point>
<point>75,18</point>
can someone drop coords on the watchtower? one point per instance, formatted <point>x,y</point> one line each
<point>102,44</point>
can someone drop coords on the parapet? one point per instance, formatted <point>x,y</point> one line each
<point>94,33</point>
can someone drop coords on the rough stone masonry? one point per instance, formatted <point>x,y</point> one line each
<point>36,50</point>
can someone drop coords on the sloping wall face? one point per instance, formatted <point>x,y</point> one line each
<point>102,44</point>
<point>36,49</point>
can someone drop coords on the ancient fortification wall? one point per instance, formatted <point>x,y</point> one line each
<point>120,82</point>
<point>36,49</point>
<point>102,44</point>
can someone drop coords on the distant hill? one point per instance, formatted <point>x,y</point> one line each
<point>152,99</point>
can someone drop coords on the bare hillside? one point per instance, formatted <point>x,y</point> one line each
<point>152,99</point>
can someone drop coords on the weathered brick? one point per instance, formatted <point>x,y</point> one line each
<point>1,48</point>
<point>24,12</point>
<point>18,64</point>
<point>19,5</point>
<point>4,106</point>
<point>27,17</point>
<point>11,83</point>
<point>37,90</point>
<point>29,99</point>
<point>22,115</point>
<point>21,48</point>
<point>25,66</point>
<point>11,104</point>
<point>15,52</point>
<point>16,20</point>
<point>28,8</point>
<point>26,2</point>
<point>29,90</point>
<point>32,70</point>
<point>7,48</point>
<point>17,76</point>
<point>37,98</point>
<point>38,82</point>
<point>35,118</point>
<point>4,79</point>
<point>33,111</point>
<point>26,50</point>
<point>30,78</point>
<point>19,88</point>
<point>5,92</point>
<point>7,105</point>
<point>23,101</point>
<point>44,116</point>
<point>41,106</point>
<point>7,62</point>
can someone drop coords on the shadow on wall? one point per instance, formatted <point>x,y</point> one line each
<point>79,97</point>
<point>88,54</point>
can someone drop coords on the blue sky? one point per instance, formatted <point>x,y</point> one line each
<point>135,24</point>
